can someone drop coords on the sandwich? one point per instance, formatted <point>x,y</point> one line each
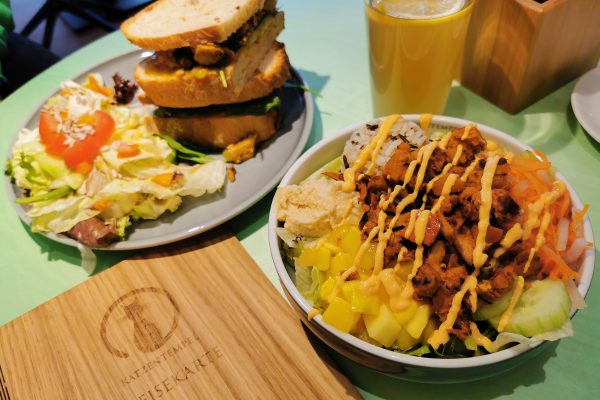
<point>215,68</point>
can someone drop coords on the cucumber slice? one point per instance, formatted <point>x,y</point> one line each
<point>543,307</point>
<point>494,309</point>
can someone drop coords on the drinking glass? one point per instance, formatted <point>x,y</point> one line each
<point>413,59</point>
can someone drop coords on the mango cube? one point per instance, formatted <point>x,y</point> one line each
<point>406,341</point>
<point>365,303</point>
<point>350,241</point>
<point>335,236</point>
<point>417,323</point>
<point>327,289</point>
<point>348,289</point>
<point>367,261</point>
<point>339,263</point>
<point>360,301</point>
<point>405,315</point>
<point>333,249</point>
<point>392,284</point>
<point>383,327</point>
<point>339,314</point>
<point>431,326</point>
<point>318,257</point>
<point>404,269</point>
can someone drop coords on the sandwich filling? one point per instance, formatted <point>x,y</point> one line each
<point>236,128</point>
<point>209,54</point>
<point>258,106</point>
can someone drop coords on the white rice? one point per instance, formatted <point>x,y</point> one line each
<point>402,131</point>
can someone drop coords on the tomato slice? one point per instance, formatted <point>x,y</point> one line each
<point>53,140</point>
<point>87,149</point>
<point>82,151</point>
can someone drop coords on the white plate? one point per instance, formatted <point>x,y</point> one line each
<point>254,178</point>
<point>585,101</point>
<point>413,368</point>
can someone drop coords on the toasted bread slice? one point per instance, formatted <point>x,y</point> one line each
<point>250,56</point>
<point>231,78</point>
<point>202,87</point>
<point>169,24</point>
<point>219,130</point>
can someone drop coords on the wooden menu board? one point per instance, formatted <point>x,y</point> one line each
<point>195,320</point>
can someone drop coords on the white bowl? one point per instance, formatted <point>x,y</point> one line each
<point>397,364</point>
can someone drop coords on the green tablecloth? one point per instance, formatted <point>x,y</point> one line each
<point>326,42</point>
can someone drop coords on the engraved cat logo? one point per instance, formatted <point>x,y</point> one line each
<point>142,320</point>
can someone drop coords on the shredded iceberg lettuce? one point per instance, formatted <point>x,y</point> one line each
<point>117,188</point>
<point>308,282</point>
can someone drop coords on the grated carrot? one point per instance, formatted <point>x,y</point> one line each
<point>528,164</point>
<point>92,83</point>
<point>562,206</point>
<point>555,266</point>
<point>163,179</point>
<point>101,204</point>
<point>579,215</point>
<point>551,235</point>
<point>127,150</point>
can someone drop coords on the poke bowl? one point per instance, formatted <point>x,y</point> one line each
<point>360,330</point>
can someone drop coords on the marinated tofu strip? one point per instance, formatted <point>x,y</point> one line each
<point>445,170</point>
<point>468,128</point>
<point>469,170</point>
<point>459,150</point>
<point>425,155</point>
<point>444,140</point>
<point>403,299</point>
<point>512,235</point>
<point>411,224</point>
<point>450,181</point>
<point>441,335</point>
<point>479,257</point>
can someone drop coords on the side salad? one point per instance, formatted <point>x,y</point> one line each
<point>94,166</point>
<point>438,245</point>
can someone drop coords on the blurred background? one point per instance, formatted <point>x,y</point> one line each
<point>70,32</point>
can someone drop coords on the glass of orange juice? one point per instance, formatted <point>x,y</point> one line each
<point>415,48</point>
